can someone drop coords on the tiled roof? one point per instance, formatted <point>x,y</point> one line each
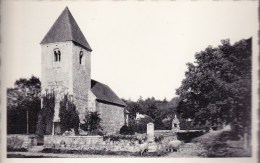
<point>65,28</point>
<point>104,93</point>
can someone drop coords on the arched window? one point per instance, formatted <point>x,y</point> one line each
<point>81,58</point>
<point>57,55</point>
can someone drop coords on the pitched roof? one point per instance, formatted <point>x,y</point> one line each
<point>104,93</point>
<point>65,28</point>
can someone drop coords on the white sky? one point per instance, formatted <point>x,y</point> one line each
<point>139,48</point>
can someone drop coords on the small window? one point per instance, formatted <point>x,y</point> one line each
<point>57,55</point>
<point>81,58</point>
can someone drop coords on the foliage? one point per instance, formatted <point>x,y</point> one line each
<point>217,87</point>
<point>23,101</point>
<point>92,123</point>
<point>69,118</point>
<point>15,144</point>
<point>118,137</point>
<point>46,114</point>
<point>141,125</point>
<point>126,130</point>
<point>156,109</point>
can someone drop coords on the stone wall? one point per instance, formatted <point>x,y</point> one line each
<point>130,144</point>
<point>16,141</point>
<point>168,135</point>
<point>81,79</point>
<point>67,75</point>
<point>89,143</point>
<point>57,76</point>
<point>112,117</point>
<point>91,101</point>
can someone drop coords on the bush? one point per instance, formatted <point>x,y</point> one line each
<point>46,114</point>
<point>69,118</point>
<point>125,130</point>
<point>92,123</point>
<point>115,137</point>
<point>15,144</point>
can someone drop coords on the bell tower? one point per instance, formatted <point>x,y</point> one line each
<point>66,65</point>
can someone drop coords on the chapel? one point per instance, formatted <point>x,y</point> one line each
<point>66,69</point>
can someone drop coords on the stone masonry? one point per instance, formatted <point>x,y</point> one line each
<point>112,117</point>
<point>66,76</point>
<point>66,69</point>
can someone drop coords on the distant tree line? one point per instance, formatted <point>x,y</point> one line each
<point>160,112</point>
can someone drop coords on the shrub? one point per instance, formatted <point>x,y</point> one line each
<point>115,137</point>
<point>126,130</point>
<point>92,123</point>
<point>15,144</point>
<point>46,114</point>
<point>69,118</point>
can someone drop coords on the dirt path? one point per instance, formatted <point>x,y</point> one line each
<point>188,150</point>
<point>195,148</point>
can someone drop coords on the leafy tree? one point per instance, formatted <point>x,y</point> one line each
<point>92,123</point>
<point>23,105</point>
<point>217,87</point>
<point>69,118</point>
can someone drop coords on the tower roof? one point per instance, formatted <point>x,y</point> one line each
<point>65,28</point>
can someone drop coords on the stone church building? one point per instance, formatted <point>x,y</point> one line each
<point>66,69</point>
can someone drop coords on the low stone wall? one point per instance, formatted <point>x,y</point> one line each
<point>89,143</point>
<point>167,135</point>
<point>17,141</point>
<point>99,143</point>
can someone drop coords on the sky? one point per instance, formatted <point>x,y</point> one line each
<point>139,48</point>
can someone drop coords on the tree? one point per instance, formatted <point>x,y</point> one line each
<point>217,87</point>
<point>46,114</point>
<point>69,118</point>
<point>23,106</point>
<point>92,122</point>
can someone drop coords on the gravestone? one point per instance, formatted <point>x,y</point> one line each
<point>150,138</point>
<point>150,132</point>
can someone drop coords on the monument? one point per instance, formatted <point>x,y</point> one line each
<point>175,124</point>
<point>150,138</point>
